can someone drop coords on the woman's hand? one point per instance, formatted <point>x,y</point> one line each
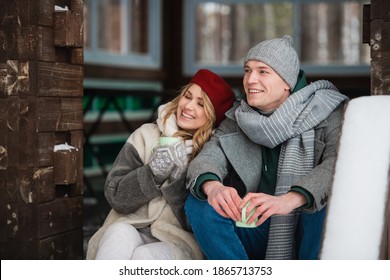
<point>180,160</point>
<point>225,200</point>
<point>168,161</point>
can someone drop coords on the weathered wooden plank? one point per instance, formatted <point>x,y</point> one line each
<point>23,150</point>
<point>3,154</point>
<point>49,114</point>
<point>45,12</point>
<point>32,130</point>
<point>3,78</point>
<point>380,48</point>
<point>8,13</point>
<point>56,114</point>
<point>3,135</point>
<point>66,246</point>
<point>28,231</point>
<point>13,113</point>
<point>12,146</point>
<point>9,49</point>
<point>77,56</point>
<point>65,166</point>
<point>60,215</point>
<point>68,29</point>
<point>380,9</point>
<point>71,114</point>
<point>10,221</point>
<point>78,188</point>
<point>46,142</point>
<point>12,130</point>
<point>14,79</point>
<point>60,79</point>
<point>27,43</point>
<point>26,187</point>
<point>77,140</point>
<point>3,207</point>
<point>25,12</point>
<point>380,78</point>
<point>76,6</point>
<point>12,185</point>
<point>45,50</point>
<point>44,184</point>
<point>379,42</point>
<point>7,249</point>
<point>9,207</point>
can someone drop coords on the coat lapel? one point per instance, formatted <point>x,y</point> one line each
<point>240,152</point>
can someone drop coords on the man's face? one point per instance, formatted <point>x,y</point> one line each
<point>264,88</point>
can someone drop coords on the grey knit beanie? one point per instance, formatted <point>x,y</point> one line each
<point>280,56</point>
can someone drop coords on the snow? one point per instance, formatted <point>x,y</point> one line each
<point>60,9</point>
<point>356,208</point>
<point>64,147</point>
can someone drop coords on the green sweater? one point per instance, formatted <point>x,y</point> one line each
<point>270,159</point>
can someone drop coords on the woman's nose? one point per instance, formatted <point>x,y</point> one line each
<point>190,104</point>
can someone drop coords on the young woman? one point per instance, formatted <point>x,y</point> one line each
<point>146,185</point>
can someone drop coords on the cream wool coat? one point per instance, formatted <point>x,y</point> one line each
<point>162,209</point>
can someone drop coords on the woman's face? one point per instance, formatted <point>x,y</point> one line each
<point>191,114</point>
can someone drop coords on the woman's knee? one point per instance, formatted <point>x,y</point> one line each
<point>153,251</point>
<point>121,229</point>
<point>118,242</point>
<point>121,233</point>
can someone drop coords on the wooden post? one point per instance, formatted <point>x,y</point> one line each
<point>376,32</point>
<point>41,77</point>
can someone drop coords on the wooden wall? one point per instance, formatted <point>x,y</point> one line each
<point>41,89</point>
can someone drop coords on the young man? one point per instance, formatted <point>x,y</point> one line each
<point>276,150</point>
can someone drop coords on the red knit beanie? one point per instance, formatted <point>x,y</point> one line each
<point>219,92</point>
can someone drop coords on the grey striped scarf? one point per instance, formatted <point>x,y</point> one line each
<point>293,125</point>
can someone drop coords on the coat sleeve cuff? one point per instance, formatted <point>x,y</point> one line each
<point>309,197</point>
<point>197,190</point>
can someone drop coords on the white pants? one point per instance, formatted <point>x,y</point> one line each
<point>122,241</point>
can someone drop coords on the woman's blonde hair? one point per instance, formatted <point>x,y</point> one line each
<point>203,134</point>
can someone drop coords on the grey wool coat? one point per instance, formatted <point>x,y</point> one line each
<point>237,161</point>
<point>137,200</point>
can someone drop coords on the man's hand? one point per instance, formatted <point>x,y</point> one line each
<point>268,205</point>
<point>225,200</point>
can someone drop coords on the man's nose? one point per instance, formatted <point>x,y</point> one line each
<point>253,78</point>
